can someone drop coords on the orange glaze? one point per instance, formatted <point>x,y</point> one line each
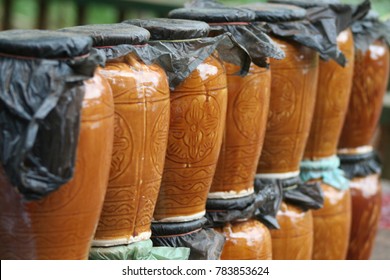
<point>246,240</point>
<point>293,87</point>
<point>62,225</point>
<point>141,97</point>
<point>294,239</point>
<point>197,122</point>
<point>247,112</point>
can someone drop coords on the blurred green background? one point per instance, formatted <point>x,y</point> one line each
<point>55,14</point>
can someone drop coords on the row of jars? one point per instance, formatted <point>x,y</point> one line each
<point>169,131</point>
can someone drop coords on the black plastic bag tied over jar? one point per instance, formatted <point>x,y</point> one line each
<point>179,46</point>
<point>41,93</point>
<point>238,23</point>
<point>368,30</point>
<point>290,190</point>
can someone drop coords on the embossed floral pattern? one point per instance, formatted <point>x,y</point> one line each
<point>193,129</point>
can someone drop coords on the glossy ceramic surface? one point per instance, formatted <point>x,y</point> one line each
<point>246,240</point>
<point>198,113</point>
<point>369,86</point>
<point>333,93</point>
<point>62,225</point>
<point>366,193</point>
<point>293,87</point>
<point>141,97</point>
<point>246,118</point>
<point>294,239</point>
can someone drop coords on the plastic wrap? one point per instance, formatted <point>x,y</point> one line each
<point>204,243</point>
<point>180,56</point>
<point>142,250</point>
<point>269,196</point>
<point>293,191</point>
<point>41,92</point>
<point>326,169</point>
<point>221,211</point>
<point>368,30</point>
<point>252,38</point>
<point>360,165</point>
<point>343,15</point>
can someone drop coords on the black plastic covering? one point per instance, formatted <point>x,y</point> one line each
<point>41,93</point>
<point>214,14</point>
<point>249,36</point>
<point>307,3</point>
<point>180,57</point>
<point>291,190</point>
<point>204,243</point>
<point>221,211</point>
<point>344,14</point>
<point>43,44</point>
<point>111,34</point>
<point>170,29</point>
<point>370,29</point>
<point>360,165</point>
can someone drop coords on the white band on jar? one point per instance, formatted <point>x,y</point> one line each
<point>121,241</point>
<point>230,194</point>
<point>355,151</point>
<point>284,175</point>
<point>178,219</point>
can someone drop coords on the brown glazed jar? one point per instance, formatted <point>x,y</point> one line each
<point>62,225</point>
<point>141,98</point>
<point>246,240</point>
<point>293,86</point>
<point>366,193</point>
<point>363,168</point>
<point>370,80</point>
<point>294,241</point>
<point>332,224</point>
<point>246,118</point>
<point>198,112</point>
<point>197,121</point>
<point>141,101</point>
<point>333,92</point>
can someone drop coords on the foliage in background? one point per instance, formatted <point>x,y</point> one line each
<point>64,13</point>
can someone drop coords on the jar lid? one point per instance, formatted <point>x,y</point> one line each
<point>276,12</point>
<point>112,34</point>
<point>307,3</point>
<point>44,44</point>
<point>172,29</point>
<point>214,15</point>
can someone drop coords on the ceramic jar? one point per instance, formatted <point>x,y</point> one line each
<point>370,79</point>
<point>247,112</point>
<point>331,232</point>
<point>246,240</point>
<point>62,225</point>
<point>197,121</point>
<point>293,87</point>
<point>142,108</point>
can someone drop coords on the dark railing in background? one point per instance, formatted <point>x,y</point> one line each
<point>159,7</point>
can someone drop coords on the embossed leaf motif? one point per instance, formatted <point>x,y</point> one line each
<point>193,134</point>
<point>121,153</point>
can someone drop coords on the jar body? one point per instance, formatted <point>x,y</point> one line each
<point>332,224</point>
<point>369,86</point>
<point>293,87</point>
<point>294,239</point>
<point>366,193</point>
<point>62,225</point>
<point>141,98</point>
<point>198,113</point>
<point>333,93</point>
<point>246,240</point>
<point>246,117</point>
